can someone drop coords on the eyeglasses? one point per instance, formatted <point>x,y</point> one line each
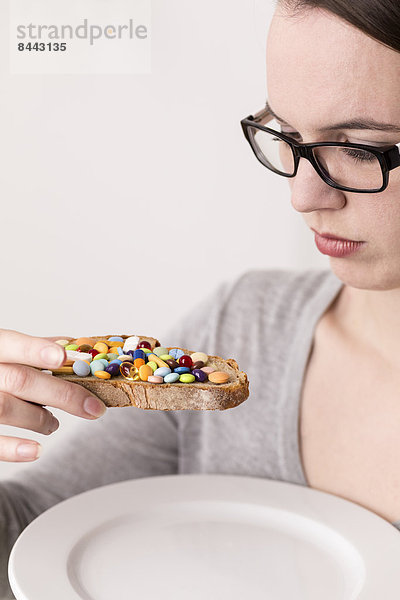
<point>344,166</point>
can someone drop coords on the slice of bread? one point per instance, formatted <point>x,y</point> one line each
<point>119,391</point>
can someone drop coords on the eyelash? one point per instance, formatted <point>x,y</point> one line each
<point>357,155</point>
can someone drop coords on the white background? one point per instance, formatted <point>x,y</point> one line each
<point>127,198</point>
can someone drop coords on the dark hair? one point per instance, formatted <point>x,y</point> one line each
<point>379,19</point>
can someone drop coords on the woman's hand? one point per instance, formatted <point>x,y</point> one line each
<point>25,391</point>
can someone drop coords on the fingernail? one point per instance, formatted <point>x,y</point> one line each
<point>94,407</point>
<point>54,425</point>
<point>52,355</point>
<point>29,450</point>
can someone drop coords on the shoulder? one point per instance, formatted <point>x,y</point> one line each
<point>279,287</point>
<point>243,307</point>
<point>272,304</point>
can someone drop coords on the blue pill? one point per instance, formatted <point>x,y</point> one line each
<point>115,362</point>
<point>120,351</point>
<point>162,371</point>
<point>104,361</point>
<point>171,378</point>
<point>181,370</point>
<point>81,368</point>
<point>176,353</point>
<point>97,365</point>
<point>199,375</point>
<point>116,339</point>
<point>113,369</point>
<point>139,354</point>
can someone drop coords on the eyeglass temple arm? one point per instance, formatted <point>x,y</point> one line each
<point>261,114</point>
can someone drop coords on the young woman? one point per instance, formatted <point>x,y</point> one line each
<point>320,347</point>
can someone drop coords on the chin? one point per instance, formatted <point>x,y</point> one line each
<point>366,275</point>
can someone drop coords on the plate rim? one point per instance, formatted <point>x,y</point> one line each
<point>356,524</point>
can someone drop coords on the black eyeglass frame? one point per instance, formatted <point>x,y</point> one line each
<point>388,156</point>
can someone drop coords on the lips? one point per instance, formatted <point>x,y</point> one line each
<point>336,247</point>
<point>331,236</point>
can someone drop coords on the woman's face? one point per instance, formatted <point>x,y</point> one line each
<point>321,71</point>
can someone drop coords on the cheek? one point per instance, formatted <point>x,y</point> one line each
<point>380,216</point>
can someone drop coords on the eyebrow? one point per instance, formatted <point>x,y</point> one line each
<point>369,124</point>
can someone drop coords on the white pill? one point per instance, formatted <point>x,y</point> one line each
<point>130,343</point>
<point>75,355</point>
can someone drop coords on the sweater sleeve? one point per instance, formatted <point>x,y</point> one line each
<point>126,443</point>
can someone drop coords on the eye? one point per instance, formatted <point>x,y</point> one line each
<point>359,155</point>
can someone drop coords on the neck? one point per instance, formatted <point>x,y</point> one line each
<point>371,318</point>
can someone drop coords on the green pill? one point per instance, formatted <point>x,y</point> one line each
<point>100,356</point>
<point>187,378</point>
<point>153,365</point>
<point>160,350</point>
<point>166,357</point>
<point>110,356</point>
<point>71,347</point>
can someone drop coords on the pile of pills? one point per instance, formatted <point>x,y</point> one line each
<point>136,361</point>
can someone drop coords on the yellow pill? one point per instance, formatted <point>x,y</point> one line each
<point>102,374</point>
<point>144,372</point>
<point>158,360</point>
<point>166,357</point>
<point>102,347</point>
<point>84,340</point>
<point>218,377</point>
<point>115,344</point>
<point>63,370</point>
<point>153,365</point>
<point>138,362</point>
<point>134,373</point>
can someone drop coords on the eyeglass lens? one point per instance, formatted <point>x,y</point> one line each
<point>345,166</point>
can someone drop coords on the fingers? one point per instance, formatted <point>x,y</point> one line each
<point>14,449</point>
<point>19,413</point>
<point>16,347</point>
<point>32,385</point>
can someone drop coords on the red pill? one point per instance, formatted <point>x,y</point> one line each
<point>144,344</point>
<point>93,352</point>
<point>185,361</point>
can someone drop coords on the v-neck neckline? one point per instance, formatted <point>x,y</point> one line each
<point>298,357</point>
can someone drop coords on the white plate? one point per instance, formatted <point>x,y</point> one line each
<point>208,537</point>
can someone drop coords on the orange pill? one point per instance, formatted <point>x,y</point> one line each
<point>83,340</point>
<point>113,350</point>
<point>218,377</point>
<point>102,374</point>
<point>63,370</point>
<point>145,371</point>
<point>138,362</point>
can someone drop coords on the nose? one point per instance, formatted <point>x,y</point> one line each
<point>310,192</point>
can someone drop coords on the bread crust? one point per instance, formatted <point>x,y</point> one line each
<point>119,391</point>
